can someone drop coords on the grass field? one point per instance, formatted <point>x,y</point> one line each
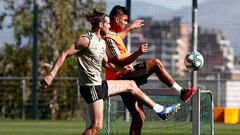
<point>10,127</point>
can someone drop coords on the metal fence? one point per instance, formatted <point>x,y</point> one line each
<point>60,101</point>
<point>63,101</point>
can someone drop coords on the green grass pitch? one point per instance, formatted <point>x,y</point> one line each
<point>42,127</point>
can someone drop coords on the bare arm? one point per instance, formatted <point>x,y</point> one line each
<point>124,61</point>
<point>115,57</point>
<point>135,25</point>
<point>73,49</point>
<point>111,66</point>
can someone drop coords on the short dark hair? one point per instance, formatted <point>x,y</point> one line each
<point>117,10</point>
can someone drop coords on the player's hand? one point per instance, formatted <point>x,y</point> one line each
<point>127,69</point>
<point>143,48</point>
<point>137,24</point>
<point>130,66</point>
<point>46,81</point>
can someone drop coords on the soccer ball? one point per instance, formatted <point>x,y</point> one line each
<point>194,61</point>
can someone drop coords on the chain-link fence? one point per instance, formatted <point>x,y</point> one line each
<point>63,101</point>
<point>60,101</point>
<point>168,30</point>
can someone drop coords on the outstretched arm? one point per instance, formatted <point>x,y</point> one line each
<point>73,49</point>
<point>135,25</point>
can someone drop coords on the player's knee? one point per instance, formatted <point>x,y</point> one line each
<point>157,63</point>
<point>154,62</point>
<point>133,88</point>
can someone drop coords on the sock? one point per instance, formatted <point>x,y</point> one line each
<point>158,108</point>
<point>177,87</point>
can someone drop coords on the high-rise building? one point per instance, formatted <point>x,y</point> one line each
<point>216,50</point>
<point>168,40</point>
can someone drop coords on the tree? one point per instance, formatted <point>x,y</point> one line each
<point>60,22</point>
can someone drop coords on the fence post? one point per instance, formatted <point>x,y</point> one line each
<point>218,89</point>
<point>23,98</point>
<point>108,116</point>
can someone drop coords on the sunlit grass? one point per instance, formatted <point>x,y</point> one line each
<point>45,127</point>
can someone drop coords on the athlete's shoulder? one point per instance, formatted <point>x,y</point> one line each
<point>88,35</point>
<point>112,35</point>
<point>83,40</point>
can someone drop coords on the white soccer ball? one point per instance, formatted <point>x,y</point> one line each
<point>194,61</point>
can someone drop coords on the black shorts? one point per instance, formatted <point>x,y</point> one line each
<point>93,93</point>
<point>139,75</point>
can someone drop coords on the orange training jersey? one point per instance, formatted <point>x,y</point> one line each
<point>115,47</point>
